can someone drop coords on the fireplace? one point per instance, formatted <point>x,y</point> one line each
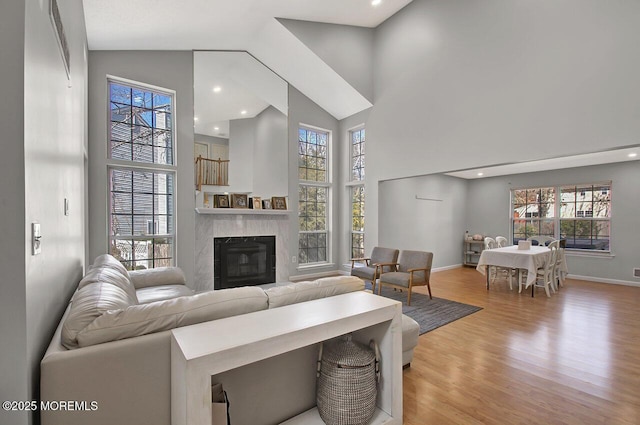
<point>243,261</point>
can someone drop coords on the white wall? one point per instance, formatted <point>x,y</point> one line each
<point>434,224</point>
<point>488,207</point>
<point>465,83</point>
<point>270,164</point>
<point>44,125</point>
<point>167,69</point>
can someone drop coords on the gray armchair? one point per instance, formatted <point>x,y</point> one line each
<point>371,269</point>
<point>413,269</point>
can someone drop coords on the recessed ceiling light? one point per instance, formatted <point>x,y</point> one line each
<point>243,112</point>
<point>480,174</point>
<point>216,128</point>
<point>632,155</point>
<point>195,118</point>
<point>217,89</point>
<point>375,2</point>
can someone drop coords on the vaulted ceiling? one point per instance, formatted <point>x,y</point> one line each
<point>250,25</point>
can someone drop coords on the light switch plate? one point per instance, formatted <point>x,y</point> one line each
<point>36,238</point>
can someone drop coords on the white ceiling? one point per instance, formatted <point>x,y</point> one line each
<point>240,25</point>
<point>244,85</point>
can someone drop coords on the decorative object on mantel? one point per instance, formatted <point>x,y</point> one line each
<point>239,200</point>
<point>347,381</point>
<point>279,202</point>
<point>256,201</point>
<point>221,201</point>
<point>478,237</point>
<point>266,204</point>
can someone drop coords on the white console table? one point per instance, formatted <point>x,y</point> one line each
<point>285,336</point>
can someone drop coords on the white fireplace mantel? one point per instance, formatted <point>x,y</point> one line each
<point>240,211</point>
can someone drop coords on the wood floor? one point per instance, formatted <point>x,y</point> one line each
<point>573,358</point>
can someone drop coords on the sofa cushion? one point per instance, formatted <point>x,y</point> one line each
<point>163,292</point>
<point>90,302</point>
<point>159,316</point>
<point>112,276</point>
<point>157,276</point>
<point>307,291</point>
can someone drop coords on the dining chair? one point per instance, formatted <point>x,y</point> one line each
<point>558,273</point>
<point>502,241</point>
<point>545,274</point>
<point>490,243</point>
<point>412,269</point>
<point>541,240</point>
<point>370,271</point>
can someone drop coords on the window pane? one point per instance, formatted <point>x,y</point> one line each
<point>142,118</point>
<point>583,216</point>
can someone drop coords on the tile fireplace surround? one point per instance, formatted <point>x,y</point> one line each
<point>209,226</point>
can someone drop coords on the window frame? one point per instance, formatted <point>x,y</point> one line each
<point>557,219</point>
<point>353,184</point>
<point>141,166</point>
<point>327,184</point>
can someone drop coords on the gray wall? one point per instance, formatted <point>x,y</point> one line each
<point>460,84</point>
<point>347,49</point>
<point>304,111</point>
<point>242,137</point>
<point>167,69</point>
<point>270,164</point>
<point>435,224</point>
<point>488,206</point>
<point>203,138</point>
<point>15,383</point>
<point>44,124</point>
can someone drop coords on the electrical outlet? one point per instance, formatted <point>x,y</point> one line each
<point>294,259</point>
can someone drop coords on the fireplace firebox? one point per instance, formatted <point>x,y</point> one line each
<point>243,261</point>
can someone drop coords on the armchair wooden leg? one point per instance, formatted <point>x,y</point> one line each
<point>409,297</point>
<point>429,289</point>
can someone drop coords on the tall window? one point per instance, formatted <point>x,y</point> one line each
<point>313,195</point>
<point>580,214</point>
<point>141,176</point>
<point>357,193</point>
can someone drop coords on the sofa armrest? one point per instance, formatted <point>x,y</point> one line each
<point>157,277</point>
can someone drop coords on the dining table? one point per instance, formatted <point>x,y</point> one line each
<point>512,257</point>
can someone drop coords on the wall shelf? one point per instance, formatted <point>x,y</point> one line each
<point>240,211</point>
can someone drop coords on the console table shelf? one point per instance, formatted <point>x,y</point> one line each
<point>224,348</point>
<point>312,417</point>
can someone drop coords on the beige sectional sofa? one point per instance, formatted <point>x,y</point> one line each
<point>113,343</point>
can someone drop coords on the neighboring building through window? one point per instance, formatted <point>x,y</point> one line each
<point>357,192</point>
<point>580,214</point>
<point>313,195</point>
<point>141,176</point>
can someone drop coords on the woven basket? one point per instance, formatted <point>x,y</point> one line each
<point>348,374</point>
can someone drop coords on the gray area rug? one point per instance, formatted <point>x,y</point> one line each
<point>429,313</point>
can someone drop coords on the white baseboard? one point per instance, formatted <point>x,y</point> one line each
<point>604,280</point>
<point>441,269</point>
